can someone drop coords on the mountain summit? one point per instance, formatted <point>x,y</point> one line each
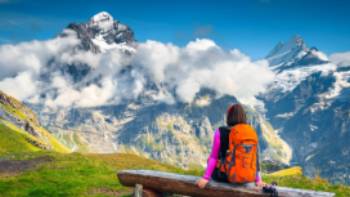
<point>102,32</point>
<point>294,53</point>
<point>102,20</point>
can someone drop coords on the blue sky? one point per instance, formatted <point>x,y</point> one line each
<point>253,26</point>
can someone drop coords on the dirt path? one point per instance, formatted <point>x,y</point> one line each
<point>110,192</point>
<point>13,167</point>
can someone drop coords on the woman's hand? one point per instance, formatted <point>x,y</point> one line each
<point>201,183</point>
<point>260,183</point>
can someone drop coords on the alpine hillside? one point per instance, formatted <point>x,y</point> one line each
<point>21,131</point>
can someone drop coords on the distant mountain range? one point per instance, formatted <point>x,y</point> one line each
<point>304,118</point>
<point>168,131</point>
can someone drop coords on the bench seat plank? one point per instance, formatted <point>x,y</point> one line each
<point>186,185</point>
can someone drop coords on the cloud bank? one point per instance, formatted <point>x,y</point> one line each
<point>58,74</point>
<point>342,59</point>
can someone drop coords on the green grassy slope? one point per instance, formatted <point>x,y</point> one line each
<point>77,175</point>
<point>295,171</point>
<point>14,140</point>
<point>293,177</point>
<point>95,175</point>
<point>26,140</point>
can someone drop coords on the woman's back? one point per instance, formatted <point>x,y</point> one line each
<point>234,155</point>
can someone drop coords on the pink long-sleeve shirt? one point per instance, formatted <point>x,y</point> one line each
<point>213,158</point>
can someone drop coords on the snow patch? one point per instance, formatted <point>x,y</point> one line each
<point>286,115</point>
<point>326,99</point>
<point>102,20</point>
<point>313,127</point>
<point>203,101</point>
<point>340,83</point>
<point>287,80</point>
<point>309,157</point>
<point>104,46</point>
<point>320,55</point>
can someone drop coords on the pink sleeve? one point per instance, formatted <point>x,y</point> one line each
<point>213,158</point>
<point>258,178</point>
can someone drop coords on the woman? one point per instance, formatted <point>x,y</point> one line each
<point>235,118</point>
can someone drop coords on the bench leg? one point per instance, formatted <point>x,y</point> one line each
<point>139,191</point>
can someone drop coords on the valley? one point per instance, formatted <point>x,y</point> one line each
<point>99,101</point>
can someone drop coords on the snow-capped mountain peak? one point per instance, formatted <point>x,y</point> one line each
<point>294,48</point>
<point>101,17</point>
<point>103,20</point>
<point>102,33</point>
<point>297,40</point>
<point>294,53</point>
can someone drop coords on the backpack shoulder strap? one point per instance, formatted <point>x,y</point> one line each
<point>224,141</point>
<point>234,132</point>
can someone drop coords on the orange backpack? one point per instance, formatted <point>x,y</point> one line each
<point>240,163</point>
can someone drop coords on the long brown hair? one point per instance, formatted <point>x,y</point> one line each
<point>236,115</point>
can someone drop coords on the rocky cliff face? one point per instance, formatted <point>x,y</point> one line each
<point>170,133</point>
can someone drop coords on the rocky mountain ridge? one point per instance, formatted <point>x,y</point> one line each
<point>308,105</point>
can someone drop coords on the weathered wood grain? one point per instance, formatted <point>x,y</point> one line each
<point>186,185</point>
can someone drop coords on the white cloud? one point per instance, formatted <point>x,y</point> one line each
<point>187,89</point>
<point>341,58</point>
<point>176,72</point>
<point>154,57</point>
<point>31,56</point>
<point>202,63</point>
<point>94,95</point>
<point>21,86</point>
<point>200,45</point>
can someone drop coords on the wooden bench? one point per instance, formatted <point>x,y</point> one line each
<point>150,183</point>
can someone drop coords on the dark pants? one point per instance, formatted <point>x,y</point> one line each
<point>219,176</point>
